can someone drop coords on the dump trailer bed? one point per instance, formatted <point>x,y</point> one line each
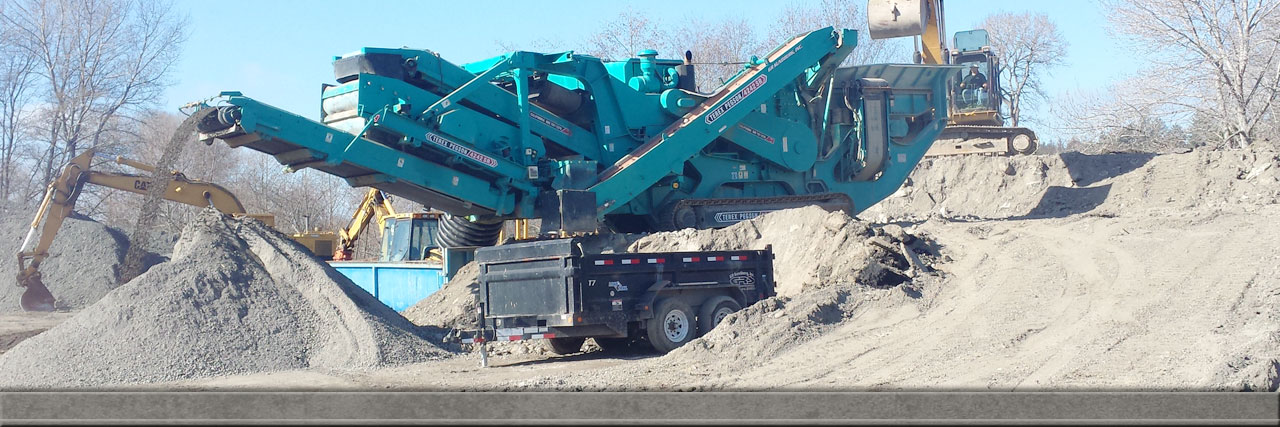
<point>552,290</point>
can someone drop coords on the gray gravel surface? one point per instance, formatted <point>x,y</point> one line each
<point>236,297</point>
<point>82,266</point>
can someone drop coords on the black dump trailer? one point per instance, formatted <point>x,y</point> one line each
<point>552,290</point>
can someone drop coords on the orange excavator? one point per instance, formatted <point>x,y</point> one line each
<point>60,199</point>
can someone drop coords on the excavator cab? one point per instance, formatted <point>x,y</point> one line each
<point>411,237</point>
<point>975,105</point>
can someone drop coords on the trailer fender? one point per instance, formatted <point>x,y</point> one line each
<point>650,296</point>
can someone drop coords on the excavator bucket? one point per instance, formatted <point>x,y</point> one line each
<point>896,18</point>
<point>37,296</point>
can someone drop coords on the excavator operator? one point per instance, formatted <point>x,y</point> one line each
<point>973,89</point>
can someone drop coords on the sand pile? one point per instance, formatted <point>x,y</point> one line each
<point>811,247</point>
<point>82,266</point>
<point>830,269</point>
<point>1071,183</point>
<point>236,297</point>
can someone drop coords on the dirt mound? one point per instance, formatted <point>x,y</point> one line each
<point>829,269</point>
<point>82,266</point>
<point>237,297</point>
<point>1071,183</point>
<point>811,247</point>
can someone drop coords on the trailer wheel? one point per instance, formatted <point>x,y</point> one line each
<point>715,310</point>
<point>672,325</point>
<point>563,346</point>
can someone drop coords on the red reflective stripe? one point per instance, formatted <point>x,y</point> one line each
<point>697,259</point>
<point>548,335</point>
<point>608,262</point>
<point>634,261</point>
<point>514,338</point>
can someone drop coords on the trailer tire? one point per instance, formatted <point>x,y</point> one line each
<point>672,325</point>
<point>715,310</point>
<point>563,346</point>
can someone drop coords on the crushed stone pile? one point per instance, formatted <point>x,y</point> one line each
<point>1058,185</point>
<point>83,263</point>
<point>236,297</point>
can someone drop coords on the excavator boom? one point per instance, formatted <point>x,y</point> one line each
<point>60,199</point>
<point>376,205</point>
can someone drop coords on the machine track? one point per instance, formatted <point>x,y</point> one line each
<point>715,213</point>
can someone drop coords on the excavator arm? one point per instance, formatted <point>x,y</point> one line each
<point>901,18</point>
<point>60,198</point>
<point>376,205</point>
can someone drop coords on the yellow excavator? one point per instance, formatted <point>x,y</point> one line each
<point>977,125</point>
<point>405,236</point>
<point>60,199</point>
<point>375,206</point>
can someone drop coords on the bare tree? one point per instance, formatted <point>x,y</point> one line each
<point>15,96</point>
<point>720,48</point>
<point>1222,56</point>
<point>624,35</point>
<point>1028,45</point>
<point>97,62</point>
<point>801,17</point>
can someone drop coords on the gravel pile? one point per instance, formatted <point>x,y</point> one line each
<point>236,297</point>
<point>82,266</point>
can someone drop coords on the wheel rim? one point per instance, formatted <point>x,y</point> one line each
<point>719,316</point>
<point>676,326</point>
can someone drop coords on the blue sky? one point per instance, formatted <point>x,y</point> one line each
<point>280,52</point>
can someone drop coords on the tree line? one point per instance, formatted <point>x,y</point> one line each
<point>88,74</point>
